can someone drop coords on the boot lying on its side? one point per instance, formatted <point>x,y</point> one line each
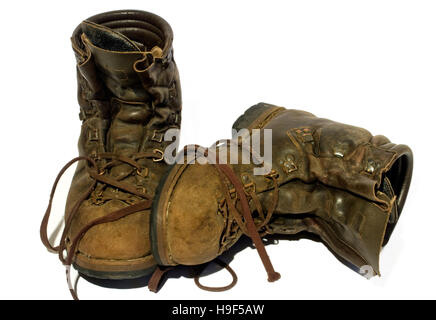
<point>333,180</point>
<point>129,96</point>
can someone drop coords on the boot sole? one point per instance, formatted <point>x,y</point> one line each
<point>253,118</point>
<point>157,222</point>
<point>114,269</point>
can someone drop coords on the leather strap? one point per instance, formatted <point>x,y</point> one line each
<point>248,226</point>
<point>45,219</point>
<point>217,289</point>
<point>111,217</point>
<point>156,278</point>
<point>251,227</point>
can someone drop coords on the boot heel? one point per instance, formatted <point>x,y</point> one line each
<point>256,116</point>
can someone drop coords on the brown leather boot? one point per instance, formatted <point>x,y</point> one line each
<point>333,180</point>
<point>129,96</point>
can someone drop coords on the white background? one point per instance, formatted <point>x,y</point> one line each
<point>365,63</point>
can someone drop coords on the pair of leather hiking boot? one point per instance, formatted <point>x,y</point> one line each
<point>130,214</point>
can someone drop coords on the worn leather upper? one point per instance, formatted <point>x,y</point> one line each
<point>129,96</point>
<point>336,181</point>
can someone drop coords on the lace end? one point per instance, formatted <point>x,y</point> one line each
<point>273,276</point>
<point>70,285</point>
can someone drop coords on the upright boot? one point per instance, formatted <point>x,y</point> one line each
<point>333,180</point>
<point>129,96</point>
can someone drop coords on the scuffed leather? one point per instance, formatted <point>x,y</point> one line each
<point>124,115</point>
<point>336,181</point>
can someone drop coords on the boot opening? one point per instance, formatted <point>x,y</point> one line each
<point>396,183</point>
<point>397,176</point>
<point>144,29</point>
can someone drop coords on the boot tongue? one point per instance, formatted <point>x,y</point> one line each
<point>108,39</point>
<point>114,56</point>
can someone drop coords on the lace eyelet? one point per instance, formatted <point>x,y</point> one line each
<point>161,155</point>
<point>142,172</point>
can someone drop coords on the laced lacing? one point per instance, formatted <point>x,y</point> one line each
<point>245,219</point>
<point>98,175</point>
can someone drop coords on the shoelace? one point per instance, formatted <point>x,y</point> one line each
<point>158,274</point>
<point>248,226</point>
<point>97,176</point>
<point>245,220</point>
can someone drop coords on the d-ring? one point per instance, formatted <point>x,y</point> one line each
<point>161,155</point>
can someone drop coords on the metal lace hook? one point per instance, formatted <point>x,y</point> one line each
<point>161,155</point>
